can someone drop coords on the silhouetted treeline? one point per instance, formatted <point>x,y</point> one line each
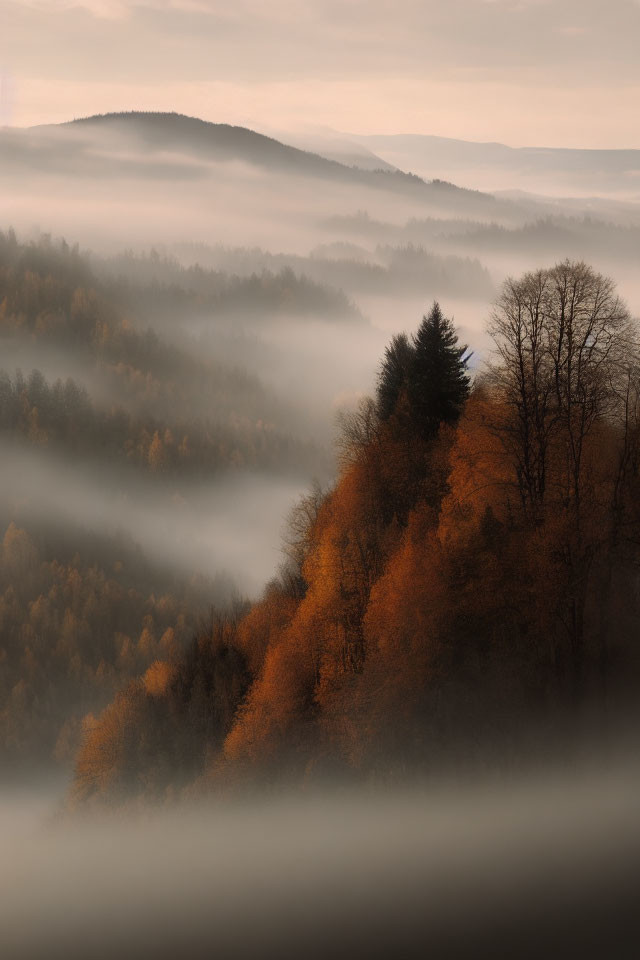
<point>522,231</point>
<point>160,283</point>
<point>464,593</point>
<point>51,301</point>
<point>403,270</point>
<point>416,230</point>
<point>555,236</point>
<point>61,417</point>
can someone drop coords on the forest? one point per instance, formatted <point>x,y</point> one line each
<point>461,595</point>
<point>141,424</point>
<point>460,592</point>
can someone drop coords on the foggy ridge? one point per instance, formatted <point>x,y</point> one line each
<point>610,171</point>
<point>221,141</point>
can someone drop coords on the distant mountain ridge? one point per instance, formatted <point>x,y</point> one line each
<point>162,131</point>
<point>221,141</point>
<point>486,164</point>
<point>498,152</point>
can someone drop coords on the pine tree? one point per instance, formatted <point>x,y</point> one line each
<point>438,382</point>
<point>394,374</point>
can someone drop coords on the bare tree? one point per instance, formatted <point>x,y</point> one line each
<point>565,344</point>
<point>523,377</point>
<point>298,529</point>
<point>566,372</point>
<point>357,431</point>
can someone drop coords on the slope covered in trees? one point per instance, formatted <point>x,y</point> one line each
<point>463,592</point>
<point>80,616</point>
<point>62,417</point>
<point>125,428</point>
<point>137,399</point>
<point>174,132</point>
<point>403,269</point>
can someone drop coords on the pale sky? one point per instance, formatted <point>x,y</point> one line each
<point>525,72</point>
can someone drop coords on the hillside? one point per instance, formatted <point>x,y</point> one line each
<point>460,599</point>
<point>219,142</point>
<point>128,453</point>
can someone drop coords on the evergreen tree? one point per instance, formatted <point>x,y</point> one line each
<point>394,374</point>
<point>438,382</point>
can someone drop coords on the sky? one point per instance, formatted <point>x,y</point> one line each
<point>523,72</point>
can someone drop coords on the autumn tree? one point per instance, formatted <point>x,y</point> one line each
<point>298,535</point>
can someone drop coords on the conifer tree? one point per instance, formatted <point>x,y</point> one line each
<point>438,382</point>
<point>394,374</point>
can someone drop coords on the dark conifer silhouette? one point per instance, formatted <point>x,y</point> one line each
<point>394,375</point>
<point>438,380</point>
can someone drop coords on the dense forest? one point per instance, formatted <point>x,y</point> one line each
<point>53,299</point>
<point>463,589</point>
<point>62,416</point>
<point>464,592</point>
<point>403,268</point>
<point>83,609</point>
<point>79,617</point>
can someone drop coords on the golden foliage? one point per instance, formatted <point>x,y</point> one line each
<point>157,678</point>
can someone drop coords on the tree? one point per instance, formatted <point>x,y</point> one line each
<point>565,352</point>
<point>438,380</point>
<point>393,375</point>
<point>566,371</point>
<point>298,534</point>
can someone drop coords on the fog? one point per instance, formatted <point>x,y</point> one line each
<point>495,167</point>
<point>113,188</point>
<point>231,526</point>
<point>545,863</point>
<point>237,204</point>
<point>176,184</point>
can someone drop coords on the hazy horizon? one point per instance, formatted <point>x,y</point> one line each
<point>524,72</point>
<point>303,128</point>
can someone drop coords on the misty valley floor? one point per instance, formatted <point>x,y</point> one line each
<point>542,865</point>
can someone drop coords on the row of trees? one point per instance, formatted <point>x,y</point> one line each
<point>107,326</point>
<point>578,236</point>
<point>461,590</point>
<point>159,285</point>
<point>62,417</point>
<point>401,270</point>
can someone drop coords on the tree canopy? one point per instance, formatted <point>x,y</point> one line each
<point>428,373</point>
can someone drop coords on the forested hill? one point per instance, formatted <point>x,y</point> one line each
<point>464,594</point>
<point>214,141</point>
<point>52,305</point>
<point>176,133</point>
<point>108,424</point>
